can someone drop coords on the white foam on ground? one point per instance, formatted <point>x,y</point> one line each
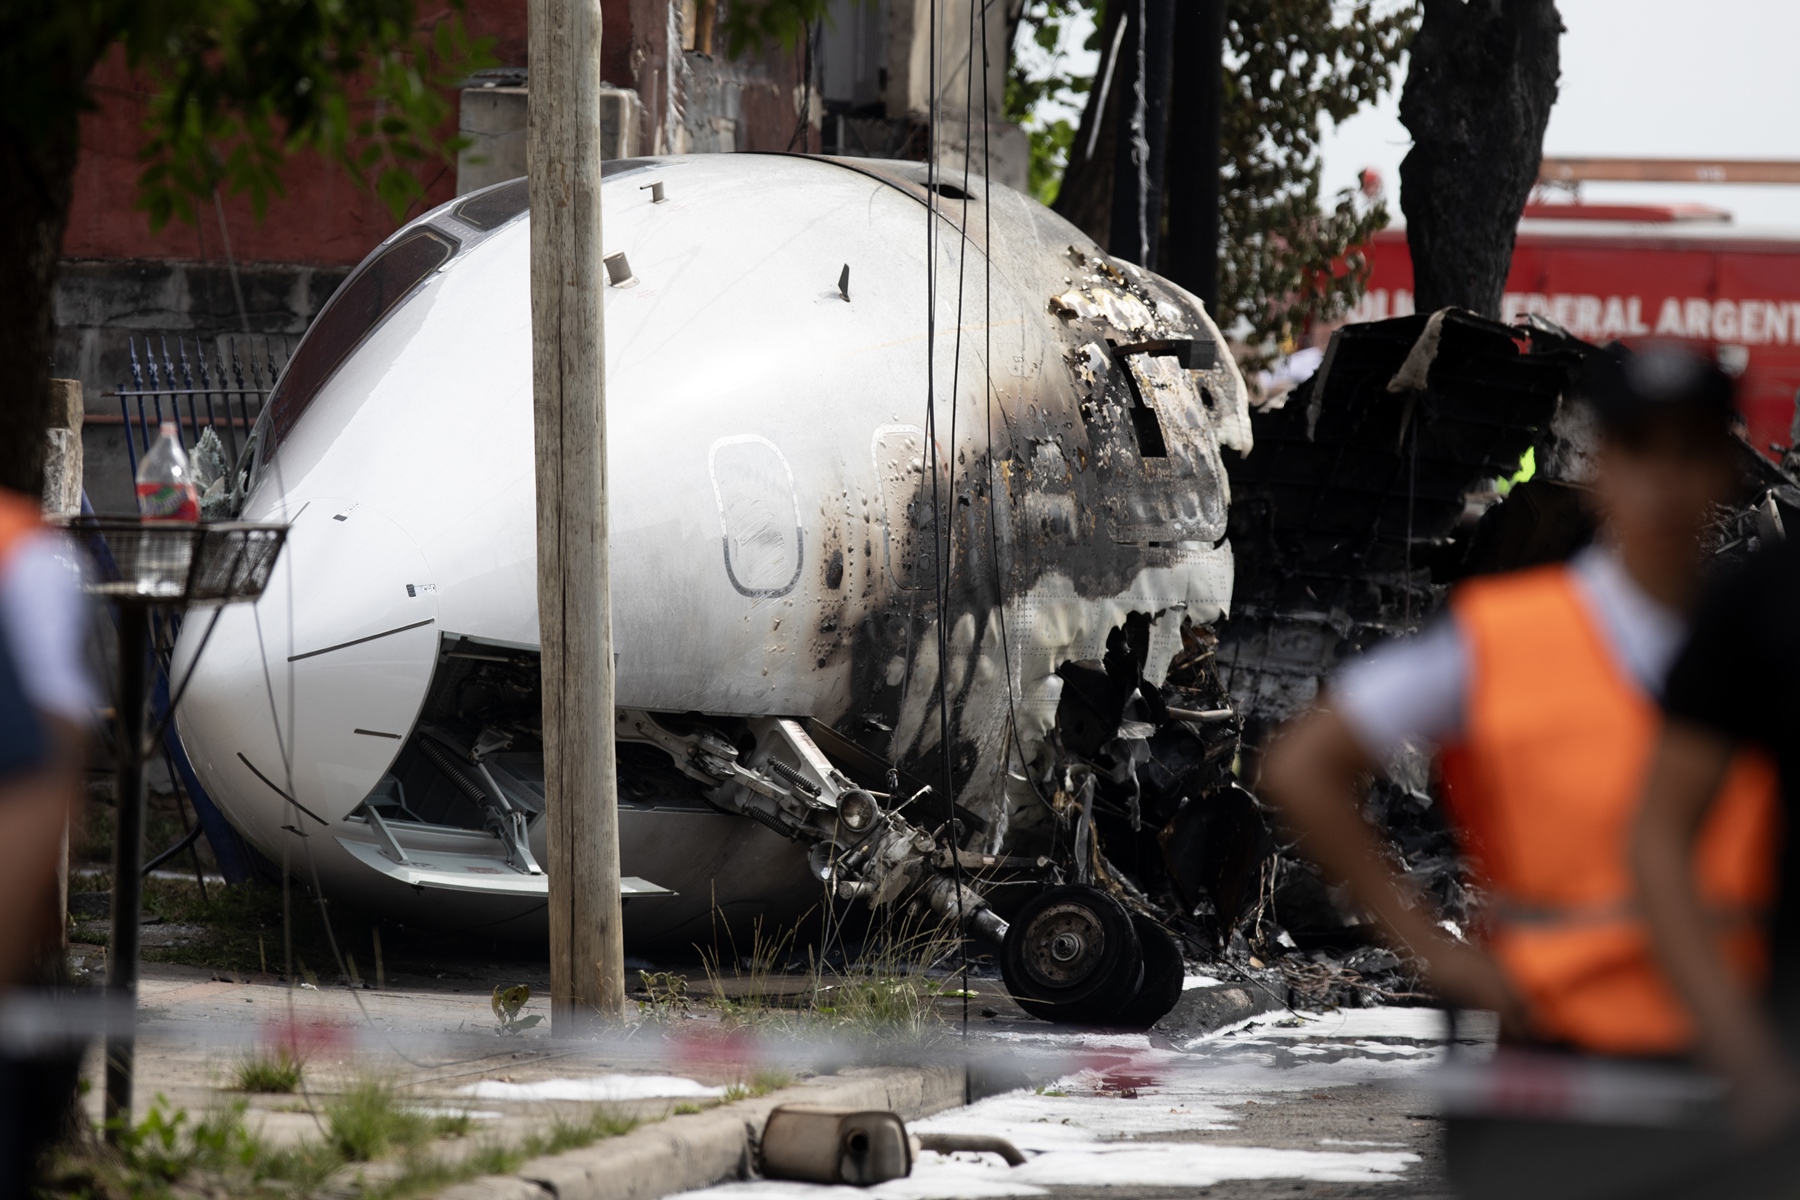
<point>1082,1116</point>
<point>1098,1127</point>
<point>1126,1164</point>
<point>440,1110</point>
<point>1192,1164</point>
<point>1424,1024</point>
<point>1189,982</point>
<point>594,1088</point>
<point>1067,1040</point>
<point>1348,1024</point>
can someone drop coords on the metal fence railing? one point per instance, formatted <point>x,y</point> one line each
<point>221,386</point>
<point>219,383</point>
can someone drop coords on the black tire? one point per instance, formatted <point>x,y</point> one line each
<point>1072,956</point>
<point>1163,973</point>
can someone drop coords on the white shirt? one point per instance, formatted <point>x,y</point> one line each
<point>1415,691</point>
<point>44,615</point>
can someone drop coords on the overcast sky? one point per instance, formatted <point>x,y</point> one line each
<point>1650,78</point>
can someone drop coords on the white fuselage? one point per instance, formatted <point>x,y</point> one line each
<point>766,465</point>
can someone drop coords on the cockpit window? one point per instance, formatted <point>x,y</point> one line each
<point>493,207</point>
<point>349,317</point>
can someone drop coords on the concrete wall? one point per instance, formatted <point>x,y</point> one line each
<point>102,305</point>
<point>322,217</point>
<point>494,119</point>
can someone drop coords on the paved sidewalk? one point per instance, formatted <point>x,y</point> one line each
<point>438,1046</point>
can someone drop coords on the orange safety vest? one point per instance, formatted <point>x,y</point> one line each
<point>1544,789</point>
<point>19,518</point>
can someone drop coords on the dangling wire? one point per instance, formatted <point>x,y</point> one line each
<point>962,267</point>
<point>803,127</point>
<point>1412,486</point>
<point>286,746</point>
<point>942,541</point>
<point>1014,743</point>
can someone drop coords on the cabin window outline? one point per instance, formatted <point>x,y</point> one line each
<point>737,541</point>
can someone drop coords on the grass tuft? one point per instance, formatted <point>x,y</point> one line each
<point>759,1084</point>
<point>276,1074</point>
<point>368,1121</point>
<point>168,1153</point>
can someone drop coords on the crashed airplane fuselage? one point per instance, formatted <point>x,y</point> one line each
<point>778,541</point>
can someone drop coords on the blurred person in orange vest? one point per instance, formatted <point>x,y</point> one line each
<point>46,705</point>
<point>1736,684</point>
<point>1538,691</point>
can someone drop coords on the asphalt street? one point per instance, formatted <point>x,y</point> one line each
<point>1313,1105</point>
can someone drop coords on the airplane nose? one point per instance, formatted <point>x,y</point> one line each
<point>298,703</point>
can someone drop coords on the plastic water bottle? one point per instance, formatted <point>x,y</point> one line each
<point>165,493</point>
<point>165,482</point>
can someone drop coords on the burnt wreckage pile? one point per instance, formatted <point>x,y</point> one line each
<point>1359,505</point>
<point>1371,490</point>
<point>1368,492</point>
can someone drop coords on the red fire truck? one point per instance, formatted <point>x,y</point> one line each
<point>1605,271</point>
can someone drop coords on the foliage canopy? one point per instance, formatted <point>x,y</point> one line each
<point>1285,257</point>
<point>237,86</point>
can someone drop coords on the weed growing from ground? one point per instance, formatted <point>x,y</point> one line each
<point>168,1152</point>
<point>276,1073</point>
<point>747,996</point>
<point>368,1120</point>
<point>759,1084</point>
<point>507,1004</point>
<point>889,993</point>
<point>665,996</point>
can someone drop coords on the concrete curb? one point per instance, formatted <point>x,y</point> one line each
<point>701,1149</point>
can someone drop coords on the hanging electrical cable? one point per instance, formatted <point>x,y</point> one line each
<point>962,267</point>
<point>942,542</point>
<point>803,127</point>
<point>285,747</point>
<point>1140,142</point>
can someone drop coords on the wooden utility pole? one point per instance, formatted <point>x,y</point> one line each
<point>568,361</point>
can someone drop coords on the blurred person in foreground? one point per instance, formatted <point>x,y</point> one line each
<point>46,705</point>
<point>1538,690</point>
<point>1735,684</point>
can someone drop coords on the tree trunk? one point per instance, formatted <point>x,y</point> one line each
<point>1477,97</point>
<point>36,182</point>
<point>1190,254</point>
<point>1085,197</point>
<point>1140,157</point>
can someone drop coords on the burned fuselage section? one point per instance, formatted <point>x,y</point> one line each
<point>869,543</point>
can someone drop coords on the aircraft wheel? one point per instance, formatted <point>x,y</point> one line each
<point>1163,973</point>
<point>1072,956</point>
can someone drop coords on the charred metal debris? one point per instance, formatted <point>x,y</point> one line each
<point>1104,828</point>
<point>1367,493</point>
<point>1375,487</point>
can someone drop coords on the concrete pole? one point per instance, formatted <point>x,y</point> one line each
<point>587,955</point>
<point>62,498</point>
